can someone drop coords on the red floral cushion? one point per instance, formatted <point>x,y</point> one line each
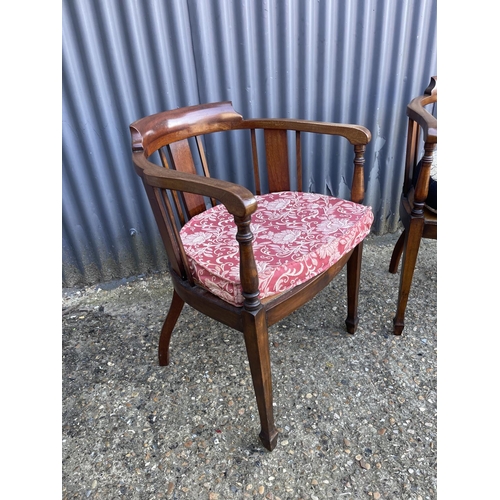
<point>297,236</point>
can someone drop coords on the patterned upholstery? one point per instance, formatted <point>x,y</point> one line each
<point>297,236</point>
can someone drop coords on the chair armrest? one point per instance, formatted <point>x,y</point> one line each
<point>239,201</point>
<point>417,112</point>
<point>355,134</point>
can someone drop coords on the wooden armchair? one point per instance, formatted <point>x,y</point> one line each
<point>248,260</point>
<point>418,207</point>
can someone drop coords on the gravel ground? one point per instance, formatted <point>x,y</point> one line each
<point>356,414</point>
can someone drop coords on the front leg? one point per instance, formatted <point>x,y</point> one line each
<point>257,345</point>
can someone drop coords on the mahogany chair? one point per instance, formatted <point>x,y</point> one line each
<point>418,206</point>
<point>248,260</point>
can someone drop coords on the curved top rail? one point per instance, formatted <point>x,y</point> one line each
<point>416,111</point>
<point>155,131</point>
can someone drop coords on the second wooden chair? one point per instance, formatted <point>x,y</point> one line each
<point>418,206</point>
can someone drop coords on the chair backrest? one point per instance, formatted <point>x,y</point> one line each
<point>422,129</point>
<point>177,137</point>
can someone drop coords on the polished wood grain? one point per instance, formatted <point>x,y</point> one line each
<point>418,222</point>
<point>177,192</point>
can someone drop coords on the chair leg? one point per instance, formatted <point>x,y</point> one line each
<point>166,332</point>
<point>353,278</point>
<point>396,253</point>
<point>411,246</point>
<point>257,345</point>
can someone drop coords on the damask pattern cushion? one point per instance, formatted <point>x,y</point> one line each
<point>297,236</point>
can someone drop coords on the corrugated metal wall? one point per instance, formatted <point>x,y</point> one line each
<point>357,61</point>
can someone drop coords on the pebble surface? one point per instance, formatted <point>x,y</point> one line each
<point>356,414</point>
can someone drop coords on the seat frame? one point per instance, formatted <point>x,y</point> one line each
<point>417,220</point>
<point>189,191</point>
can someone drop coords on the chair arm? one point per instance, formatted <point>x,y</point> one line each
<point>357,135</point>
<point>238,200</point>
<point>417,112</point>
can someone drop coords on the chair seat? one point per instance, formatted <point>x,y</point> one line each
<point>297,236</point>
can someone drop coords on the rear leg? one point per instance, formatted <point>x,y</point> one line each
<point>396,254</point>
<point>166,332</point>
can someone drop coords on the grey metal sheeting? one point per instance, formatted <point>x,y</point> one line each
<point>356,61</point>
